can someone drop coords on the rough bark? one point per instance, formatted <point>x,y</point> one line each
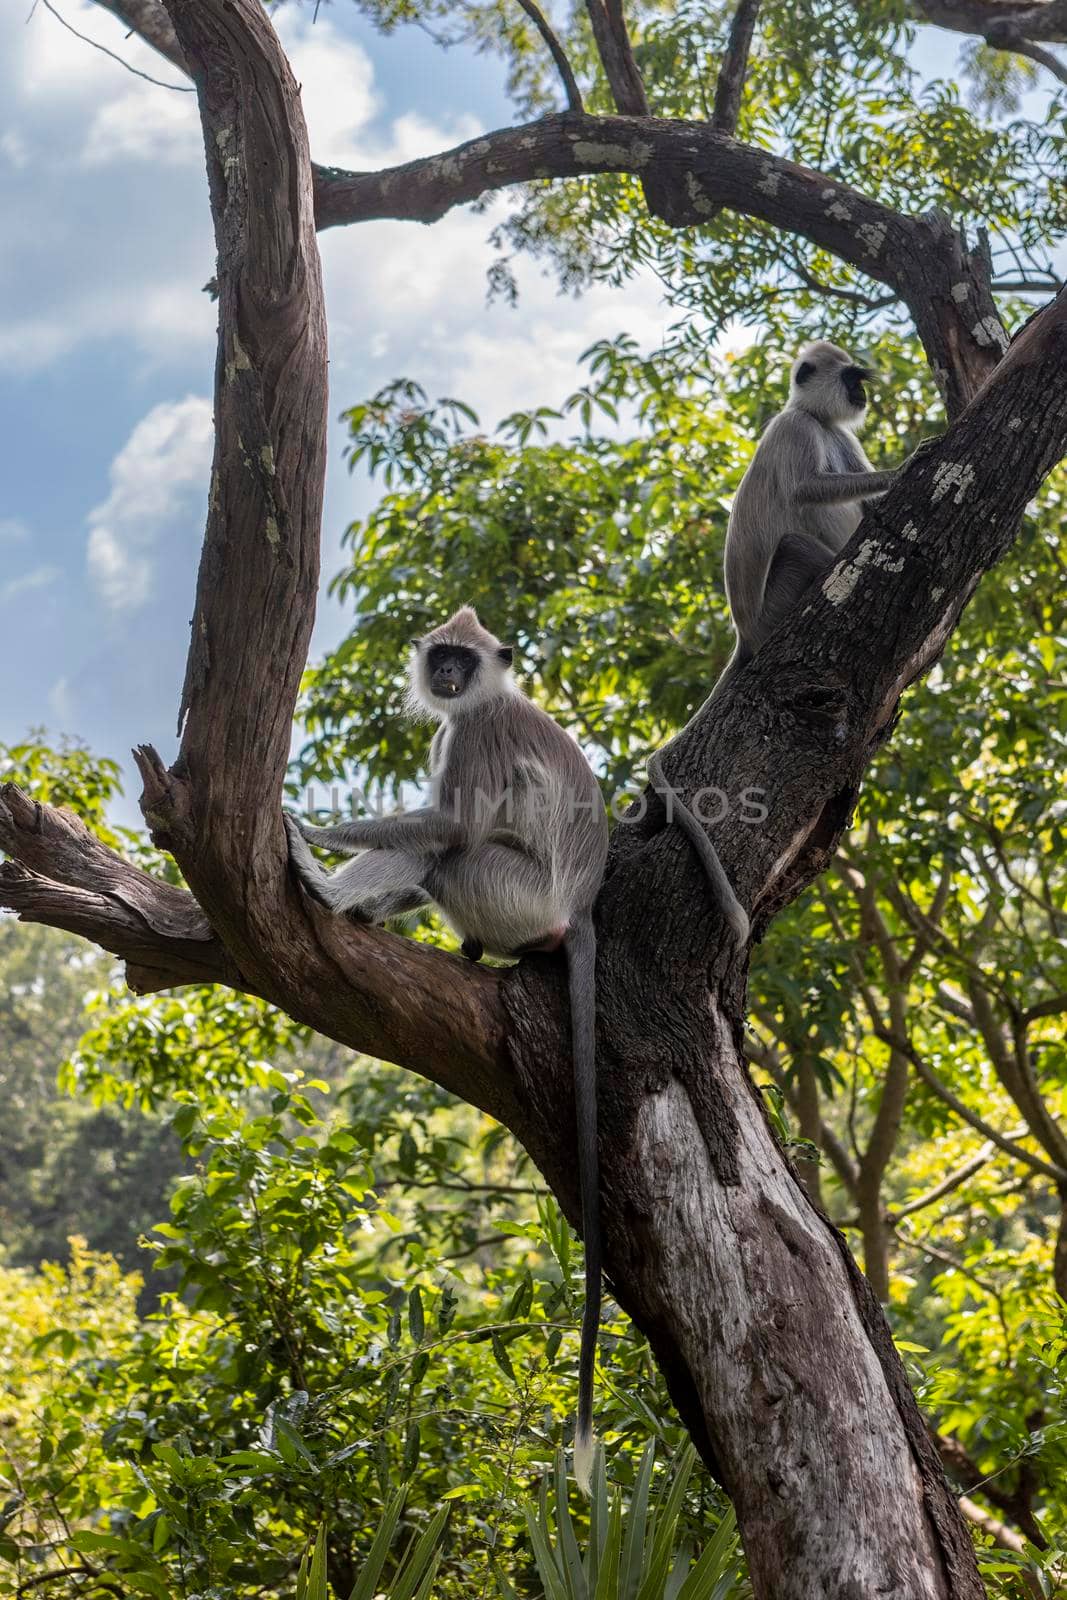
<point>773,1345</point>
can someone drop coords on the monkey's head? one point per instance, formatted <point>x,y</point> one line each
<point>828,383</point>
<point>458,667</point>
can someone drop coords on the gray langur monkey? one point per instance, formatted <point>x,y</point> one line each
<point>797,506</point>
<point>801,499</point>
<point>512,851</point>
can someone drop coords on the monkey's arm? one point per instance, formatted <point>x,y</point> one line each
<point>835,488</point>
<point>425,829</point>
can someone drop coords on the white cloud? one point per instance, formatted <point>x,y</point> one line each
<point>26,582</point>
<point>13,148</point>
<point>13,530</point>
<point>159,476</point>
<point>146,124</point>
<point>61,702</point>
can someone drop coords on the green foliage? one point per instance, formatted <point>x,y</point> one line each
<point>321,1352</point>
<point>635,1549</point>
<point>599,558</point>
<point>415,1575</point>
<point>68,776</point>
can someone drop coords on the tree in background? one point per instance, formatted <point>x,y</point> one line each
<point>772,1345</point>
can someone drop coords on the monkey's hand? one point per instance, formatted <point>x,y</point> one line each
<point>303,863</point>
<point>294,831</point>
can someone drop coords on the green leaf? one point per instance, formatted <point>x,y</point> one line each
<point>416,1316</point>
<point>633,1550</point>
<point>367,1583</point>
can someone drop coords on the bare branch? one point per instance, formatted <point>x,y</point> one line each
<point>945,286</point>
<point>61,875</point>
<point>220,808</point>
<point>730,83</point>
<point>557,52</point>
<point>973,1480</point>
<point>617,57</point>
<point>953,1181</point>
<point>1035,52</point>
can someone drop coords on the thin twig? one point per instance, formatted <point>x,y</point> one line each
<point>853,297</point>
<point>559,55</point>
<point>953,1181</point>
<point>945,1094</point>
<point>179,88</point>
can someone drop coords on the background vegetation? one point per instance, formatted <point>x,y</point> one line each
<point>251,1287</point>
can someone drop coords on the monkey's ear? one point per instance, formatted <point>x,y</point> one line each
<point>805,371</point>
<point>506,653</point>
<point>415,642</point>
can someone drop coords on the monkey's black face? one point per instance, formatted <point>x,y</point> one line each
<point>853,380</point>
<point>451,669</point>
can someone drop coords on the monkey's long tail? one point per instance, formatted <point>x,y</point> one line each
<point>580,945</point>
<point>714,871</point>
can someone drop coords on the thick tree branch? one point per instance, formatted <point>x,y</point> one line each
<point>1004,25</point>
<point>945,285</point>
<point>730,83</point>
<point>1047,19</point>
<point>1034,52</point>
<point>60,874</point>
<point>616,54</point>
<point>218,810</point>
<point>150,22</point>
<point>690,171</point>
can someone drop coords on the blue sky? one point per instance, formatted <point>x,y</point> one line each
<point>107,340</point>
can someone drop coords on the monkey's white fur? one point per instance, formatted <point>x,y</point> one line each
<point>800,501</point>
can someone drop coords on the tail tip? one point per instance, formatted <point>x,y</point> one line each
<point>584,1453</point>
<point>739,923</point>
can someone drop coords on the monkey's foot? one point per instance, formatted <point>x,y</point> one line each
<point>473,949</point>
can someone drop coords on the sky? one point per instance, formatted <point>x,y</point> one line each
<point>107,338</point>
